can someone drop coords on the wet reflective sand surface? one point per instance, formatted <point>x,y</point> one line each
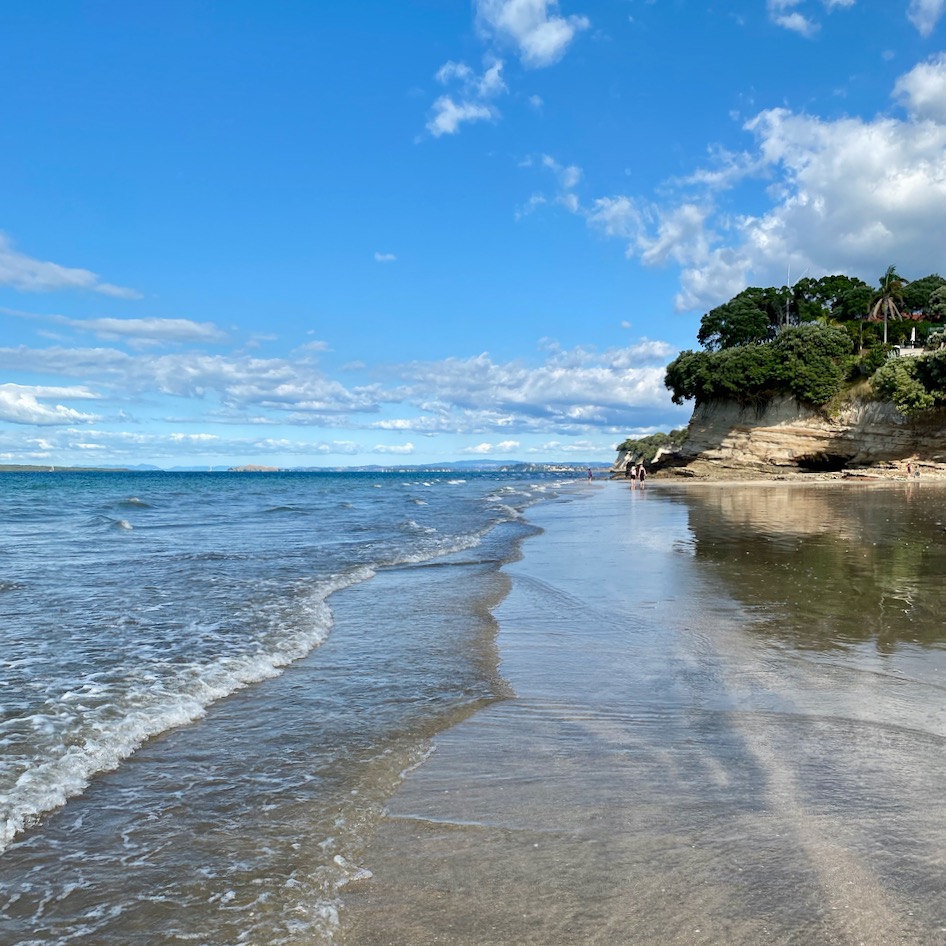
<point>728,728</point>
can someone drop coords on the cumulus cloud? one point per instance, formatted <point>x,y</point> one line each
<point>22,404</point>
<point>843,195</point>
<point>240,384</point>
<point>577,389</point>
<point>404,449</point>
<point>470,101</point>
<point>449,115</point>
<point>569,391</point>
<point>922,91</point>
<point>536,28</point>
<point>488,449</point>
<point>797,23</point>
<point>384,257</point>
<point>32,275</point>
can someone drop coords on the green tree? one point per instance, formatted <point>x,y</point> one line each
<point>751,316</point>
<point>831,298</point>
<point>809,362</point>
<point>853,302</point>
<point>887,302</point>
<point>937,303</point>
<point>916,294</point>
<point>645,448</point>
<point>813,361</point>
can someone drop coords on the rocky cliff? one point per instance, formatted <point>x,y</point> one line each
<point>786,435</point>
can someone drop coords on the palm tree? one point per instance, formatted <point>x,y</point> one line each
<point>888,299</point>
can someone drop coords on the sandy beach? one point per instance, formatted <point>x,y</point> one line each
<point>678,765</point>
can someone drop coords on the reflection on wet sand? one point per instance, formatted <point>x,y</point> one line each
<point>828,565</point>
<point>728,729</point>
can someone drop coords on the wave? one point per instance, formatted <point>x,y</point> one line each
<point>113,725</point>
<point>115,729</point>
<point>133,502</point>
<point>107,522</point>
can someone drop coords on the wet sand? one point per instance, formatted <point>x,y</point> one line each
<point>663,774</point>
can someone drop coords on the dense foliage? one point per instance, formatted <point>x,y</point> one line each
<point>810,362</point>
<point>645,448</point>
<point>810,339</point>
<point>913,384</point>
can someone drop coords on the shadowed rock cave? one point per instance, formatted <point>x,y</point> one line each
<point>822,463</point>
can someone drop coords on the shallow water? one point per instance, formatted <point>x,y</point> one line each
<point>728,728</point>
<point>212,683</point>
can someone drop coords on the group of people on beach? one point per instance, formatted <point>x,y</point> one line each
<point>635,473</point>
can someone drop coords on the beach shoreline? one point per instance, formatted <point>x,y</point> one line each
<point>712,471</point>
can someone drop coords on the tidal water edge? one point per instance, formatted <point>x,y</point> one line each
<point>702,714</point>
<point>212,683</point>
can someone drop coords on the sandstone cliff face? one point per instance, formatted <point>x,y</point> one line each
<point>786,434</point>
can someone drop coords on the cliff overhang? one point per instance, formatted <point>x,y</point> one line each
<point>784,435</point>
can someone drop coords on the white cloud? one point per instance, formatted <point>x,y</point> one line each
<point>192,438</point>
<point>132,446</point>
<point>922,90</point>
<point>845,195</point>
<point>277,387</point>
<point>540,34</point>
<point>566,390</point>
<point>448,115</point>
<point>20,404</point>
<point>784,13</point>
<point>403,450</point>
<point>567,178</point>
<point>32,275</point>
<point>384,257</point>
<point>925,14</point>
<point>577,389</point>
<point>146,331</point>
<point>470,102</point>
<point>583,447</point>
<point>481,449</point>
<point>797,23</point>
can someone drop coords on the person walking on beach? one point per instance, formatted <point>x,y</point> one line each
<point>642,474</point>
<point>591,475</point>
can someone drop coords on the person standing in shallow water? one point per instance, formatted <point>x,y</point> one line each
<point>590,475</point>
<point>642,474</point>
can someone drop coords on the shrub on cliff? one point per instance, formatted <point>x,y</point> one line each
<point>645,448</point>
<point>809,362</point>
<point>913,384</point>
<point>897,381</point>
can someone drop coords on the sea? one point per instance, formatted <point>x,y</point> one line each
<point>194,745</point>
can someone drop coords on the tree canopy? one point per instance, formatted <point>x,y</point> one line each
<point>810,362</point>
<point>810,339</point>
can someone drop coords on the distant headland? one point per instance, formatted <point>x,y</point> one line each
<point>827,376</point>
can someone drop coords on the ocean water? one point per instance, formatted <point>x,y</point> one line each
<point>210,684</point>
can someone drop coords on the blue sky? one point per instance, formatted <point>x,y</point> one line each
<point>331,234</point>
